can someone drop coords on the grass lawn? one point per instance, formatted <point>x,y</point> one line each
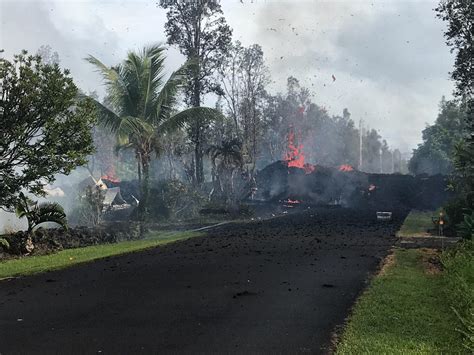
<point>35,264</point>
<point>417,224</point>
<point>404,311</point>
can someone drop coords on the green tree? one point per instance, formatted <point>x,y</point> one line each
<point>201,33</point>
<point>47,55</point>
<point>227,160</point>
<point>243,77</point>
<point>141,107</point>
<point>46,129</point>
<point>435,155</point>
<point>459,15</point>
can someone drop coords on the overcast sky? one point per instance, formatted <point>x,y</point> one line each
<point>389,58</point>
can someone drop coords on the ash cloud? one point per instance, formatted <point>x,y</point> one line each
<point>389,59</point>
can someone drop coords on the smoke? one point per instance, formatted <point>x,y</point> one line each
<point>388,58</point>
<point>9,222</point>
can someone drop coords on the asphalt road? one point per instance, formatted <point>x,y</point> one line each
<point>276,286</point>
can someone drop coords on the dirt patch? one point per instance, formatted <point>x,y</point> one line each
<point>387,263</point>
<point>431,261</point>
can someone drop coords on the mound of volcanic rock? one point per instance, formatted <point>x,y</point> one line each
<point>349,187</point>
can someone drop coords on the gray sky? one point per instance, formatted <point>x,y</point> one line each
<point>389,57</point>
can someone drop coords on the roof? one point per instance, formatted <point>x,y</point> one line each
<point>113,197</point>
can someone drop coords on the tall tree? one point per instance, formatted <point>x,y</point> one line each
<point>371,149</point>
<point>460,37</point>
<point>200,31</point>
<point>141,107</point>
<point>227,160</point>
<point>46,129</point>
<point>435,155</point>
<point>47,55</point>
<point>459,15</point>
<point>243,76</point>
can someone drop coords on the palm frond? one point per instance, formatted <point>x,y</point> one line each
<point>106,117</point>
<point>166,99</point>
<point>154,58</point>
<point>204,114</point>
<point>133,127</point>
<point>24,206</point>
<point>117,87</point>
<point>50,212</point>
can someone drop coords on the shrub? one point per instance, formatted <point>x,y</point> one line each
<point>455,210</point>
<point>89,207</point>
<point>37,214</point>
<point>459,274</point>
<point>4,244</point>
<point>466,227</point>
<point>174,199</point>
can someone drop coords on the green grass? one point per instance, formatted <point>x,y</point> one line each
<point>417,223</point>
<point>459,275</point>
<point>404,311</point>
<point>65,258</point>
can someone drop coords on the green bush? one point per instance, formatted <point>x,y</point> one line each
<point>466,227</point>
<point>171,199</point>
<point>89,206</point>
<point>459,274</point>
<point>455,210</point>
<point>4,244</point>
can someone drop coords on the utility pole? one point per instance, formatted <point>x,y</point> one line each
<point>360,144</point>
<point>380,159</point>
<point>393,165</point>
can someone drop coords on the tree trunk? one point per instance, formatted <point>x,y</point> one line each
<point>196,102</point>
<point>199,162</point>
<point>139,167</point>
<point>198,152</point>
<point>143,207</point>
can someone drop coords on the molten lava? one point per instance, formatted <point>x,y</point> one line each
<point>346,168</point>
<point>294,157</point>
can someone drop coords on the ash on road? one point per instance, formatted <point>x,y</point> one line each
<point>280,285</point>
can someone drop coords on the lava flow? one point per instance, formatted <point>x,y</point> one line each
<point>346,168</point>
<point>295,156</point>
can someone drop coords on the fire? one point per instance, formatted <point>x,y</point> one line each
<point>110,175</point>
<point>346,168</point>
<point>292,201</point>
<point>294,157</point>
<point>372,187</point>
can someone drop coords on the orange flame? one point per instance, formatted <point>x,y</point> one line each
<point>346,168</point>
<point>110,175</point>
<point>294,157</point>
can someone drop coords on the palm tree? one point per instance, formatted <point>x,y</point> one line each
<point>142,103</point>
<point>226,160</point>
<point>37,214</point>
